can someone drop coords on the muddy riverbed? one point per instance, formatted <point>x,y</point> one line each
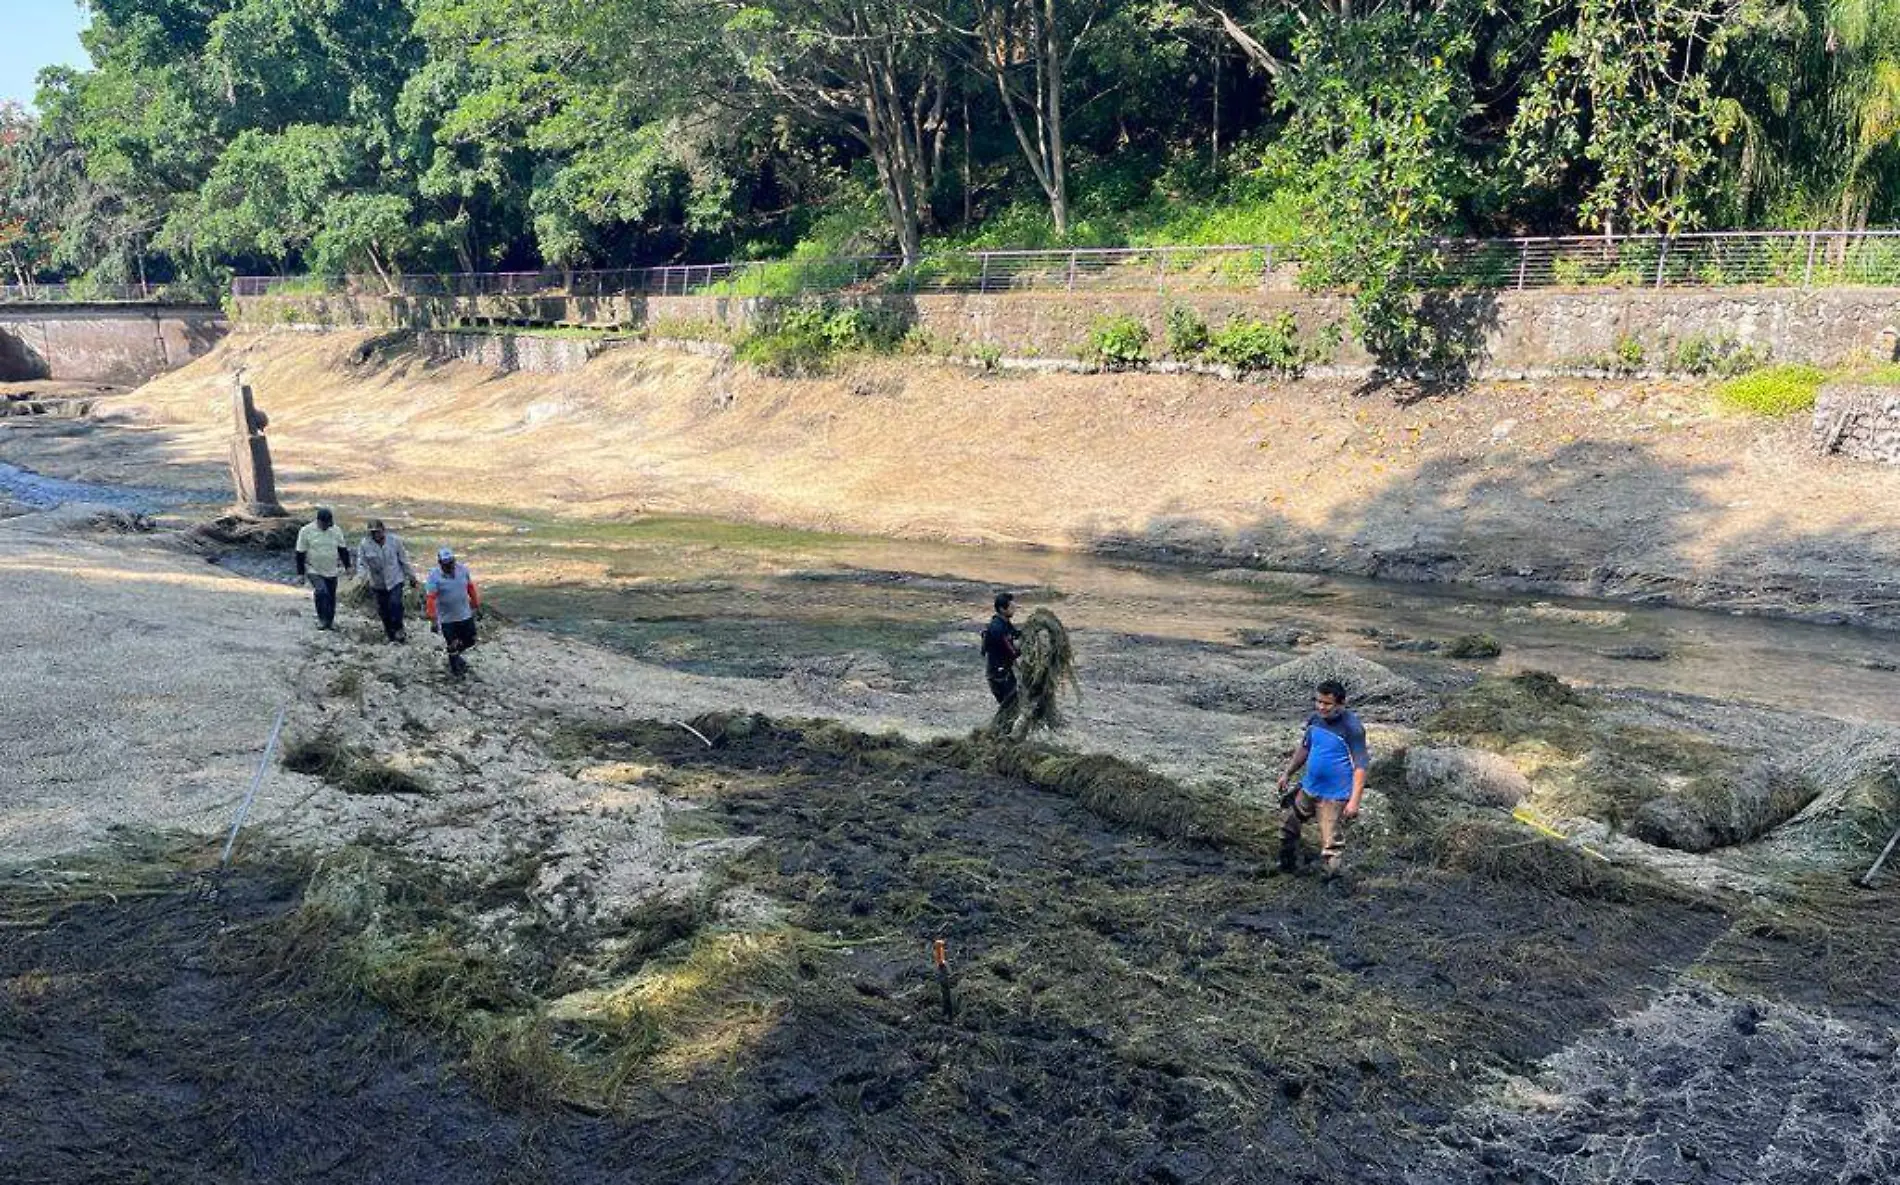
<point>576,941</point>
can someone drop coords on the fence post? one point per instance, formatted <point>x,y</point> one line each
<point>983,279</point>
<point>1072,269</point>
<point>1807,273</point>
<point>1662,257</point>
<point>1523,262</point>
<point>1161,271</point>
<point>1266,266</point>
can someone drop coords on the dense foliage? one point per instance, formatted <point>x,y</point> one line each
<point>378,136</point>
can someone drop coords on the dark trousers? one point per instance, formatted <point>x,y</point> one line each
<point>1003,684</point>
<point>459,636</point>
<point>389,608</point>
<point>325,589</point>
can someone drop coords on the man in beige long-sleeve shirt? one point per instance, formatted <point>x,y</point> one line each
<point>385,564</point>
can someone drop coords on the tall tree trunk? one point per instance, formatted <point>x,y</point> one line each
<point>1035,30</point>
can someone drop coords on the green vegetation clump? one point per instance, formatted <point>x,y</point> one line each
<point>1249,345</point>
<point>1776,391</point>
<point>805,339</point>
<point>1118,342</point>
<point>1474,646</point>
<point>1717,354</point>
<point>1187,333</point>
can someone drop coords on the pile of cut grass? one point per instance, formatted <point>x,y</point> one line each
<point>350,768</point>
<point>1666,787</point>
<point>1045,666</point>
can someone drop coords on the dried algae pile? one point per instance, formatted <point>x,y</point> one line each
<point>1045,666</point>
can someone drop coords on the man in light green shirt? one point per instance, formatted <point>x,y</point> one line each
<point>321,550</point>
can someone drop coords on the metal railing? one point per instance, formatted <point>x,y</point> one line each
<point>1794,259</point>
<point>102,294</point>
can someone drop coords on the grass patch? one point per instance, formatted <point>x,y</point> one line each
<point>1515,855</point>
<point>1775,391</point>
<point>350,768</point>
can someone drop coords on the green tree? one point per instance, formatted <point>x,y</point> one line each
<point>358,230</point>
<point>1624,101</point>
<point>875,70</point>
<point>1375,105</point>
<point>266,195</point>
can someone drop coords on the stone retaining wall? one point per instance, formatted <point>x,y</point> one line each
<point>1862,422</point>
<point>1513,333</point>
<point>509,352</point>
<point>120,344</point>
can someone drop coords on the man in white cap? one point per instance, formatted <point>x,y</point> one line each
<point>450,600</point>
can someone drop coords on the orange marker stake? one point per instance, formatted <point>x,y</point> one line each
<point>943,979</point>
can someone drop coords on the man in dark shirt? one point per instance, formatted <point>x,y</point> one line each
<point>1333,753</point>
<point>1000,649</point>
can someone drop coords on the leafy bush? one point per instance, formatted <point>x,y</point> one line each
<point>1274,346</point>
<point>1250,345</point>
<point>803,339</point>
<point>1186,333</point>
<point>1776,391</point>
<point>1117,342</point>
<point>1717,354</point>
<point>1628,355</point>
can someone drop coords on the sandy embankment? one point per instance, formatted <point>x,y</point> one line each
<point>1616,489</point>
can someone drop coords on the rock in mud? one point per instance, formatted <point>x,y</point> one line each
<point>1468,775</point>
<point>1636,654</point>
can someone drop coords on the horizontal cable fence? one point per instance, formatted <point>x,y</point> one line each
<point>95,293</point>
<point>105,294</point>
<point>1792,259</point>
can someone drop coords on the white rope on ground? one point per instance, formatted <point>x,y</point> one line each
<point>695,732</point>
<point>270,746</point>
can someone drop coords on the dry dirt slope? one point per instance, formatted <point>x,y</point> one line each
<point>1615,489</point>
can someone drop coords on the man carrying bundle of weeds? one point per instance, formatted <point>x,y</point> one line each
<point>1001,646</point>
<point>1333,753</point>
<point>1027,668</point>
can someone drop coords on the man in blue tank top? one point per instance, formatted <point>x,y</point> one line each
<point>1333,753</point>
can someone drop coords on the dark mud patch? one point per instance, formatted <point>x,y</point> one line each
<point>1127,1007</point>
<point>161,1034</point>
<point>752,647</point>
<point>977,592</point>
